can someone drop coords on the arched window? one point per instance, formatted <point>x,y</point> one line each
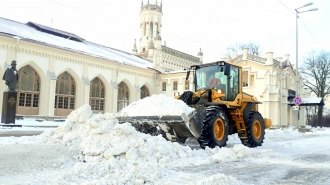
<point>96,95</point>
<point>64,95</point>
<point>144,92</point>
<point>123,96</point>
<point>186,85</point>
<point>28,91</point>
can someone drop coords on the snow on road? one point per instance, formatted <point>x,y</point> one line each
<point>94,149</point>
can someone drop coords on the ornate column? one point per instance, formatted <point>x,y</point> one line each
<point>86,86</point>
<point>50,91</point>
<point>114,91</point>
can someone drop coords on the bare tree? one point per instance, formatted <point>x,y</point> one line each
<point>232,50</point>
<point>236,49</point>
<point>316,71</point>
<point>254,48</point>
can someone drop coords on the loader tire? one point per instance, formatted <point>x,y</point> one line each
<point>215,128</point>
<point>186,97</point>
<point>255,128</point>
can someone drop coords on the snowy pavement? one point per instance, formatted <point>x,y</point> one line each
<point>27,160</point>
<point>28,127</point>
<point>94,149</point>
<point>295,160</point>
<point>124,156</point>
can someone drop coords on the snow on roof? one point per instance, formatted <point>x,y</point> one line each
<point>55,32</point>
<point>176,71</point>
<point>25,32</point>
<point>310,101</point>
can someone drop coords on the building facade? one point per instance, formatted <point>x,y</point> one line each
<point>58,75</point>
<point>59,71</point>
<point>270,80</point>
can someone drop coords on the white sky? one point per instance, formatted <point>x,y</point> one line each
<point>187,24</point>
<point>94,149</point>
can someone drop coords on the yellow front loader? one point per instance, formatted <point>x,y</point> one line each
<point>220,109</point>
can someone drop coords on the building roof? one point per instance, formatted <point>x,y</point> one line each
<point>55,32</point>
<point>180,54</point>
<point>176,72</point>
<point>283,65</point>
<point>32,32</point>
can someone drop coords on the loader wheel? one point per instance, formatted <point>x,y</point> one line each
<point>186,97</point>
<point>255,128</point>
<point>215,128</point>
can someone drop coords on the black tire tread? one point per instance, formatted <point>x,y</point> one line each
<point>187,97</point>
<point>207,138</point>
<point>251,141</point>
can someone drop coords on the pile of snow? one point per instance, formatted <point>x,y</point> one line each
<point>156,105</point>
<point>115,153</point>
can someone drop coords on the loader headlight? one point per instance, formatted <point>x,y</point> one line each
<point>221,63</point>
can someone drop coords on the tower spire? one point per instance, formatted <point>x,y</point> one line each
<point>134,50</point>
<point>200,56</point>
<point>150,28</point>
<point>141,2</point>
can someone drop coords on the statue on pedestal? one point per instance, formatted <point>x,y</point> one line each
<point>11,77</point>
<point>9,102</point>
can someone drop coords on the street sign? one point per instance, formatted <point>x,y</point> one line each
<point>297,100</point>
<point>295,107</point>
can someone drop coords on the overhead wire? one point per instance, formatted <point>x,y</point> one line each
<point>121,22</point>
<point>181,38</point>
<point>73,7</point>
<point>190,40</point>
<point>312,34</point>
<point>302,23</point>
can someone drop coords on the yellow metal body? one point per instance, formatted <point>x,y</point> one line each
<point>268,122</point>
<point>219,129</point>
<point>237,106</point>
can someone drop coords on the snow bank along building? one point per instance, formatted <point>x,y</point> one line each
<point>60,71</point>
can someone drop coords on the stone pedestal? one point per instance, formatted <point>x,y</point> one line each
<point>9,107</point>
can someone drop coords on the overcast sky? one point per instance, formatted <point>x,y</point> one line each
<point>188,25</point>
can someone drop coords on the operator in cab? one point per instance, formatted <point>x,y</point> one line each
<point>212,81</point>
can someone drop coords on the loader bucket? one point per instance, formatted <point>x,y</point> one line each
<point>173,128</point>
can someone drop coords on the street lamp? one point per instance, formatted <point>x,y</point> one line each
<point>307,113</point>
<point>297,75</point>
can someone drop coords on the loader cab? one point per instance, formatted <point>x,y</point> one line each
<point>227,75</point>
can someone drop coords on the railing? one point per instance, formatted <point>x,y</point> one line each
<point>151,7</point>
<point>256,58</point>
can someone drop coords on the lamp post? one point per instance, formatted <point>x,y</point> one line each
<point>297,73</point>
<point>307,114</point>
